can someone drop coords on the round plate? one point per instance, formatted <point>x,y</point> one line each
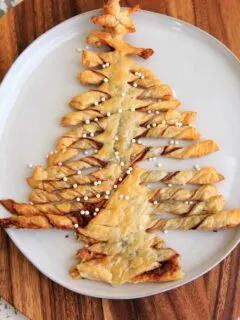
<point>34,96</point>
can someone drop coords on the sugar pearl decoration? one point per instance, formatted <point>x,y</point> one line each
<point>191,202</point>
<point>186,202</point>
<point>87,121</point>
<point>108,114</point>
<point>121,196</point>
<point>154,125</point>
<point>84,135</point>
<point>155,202</point>
<point>127,197</point>
<point>75,186</point>
<point>85,198</point>
<point>115,186</point>
<point>133,140</point>
<point>103,99</point>
<point>107,64</point>
<point>79,172</point>
<point>139,141</point>
<point>172,141</point>
<point>148,126</point>
<point>197,167</point>
<point>94,214</point>
<point>60,163</point>
<point>75,225</point>
<point>142,76</point>
<point>158,165</point>
<point>176,142</point>
<point>97,209</point>
<point>106,197</point>
<point>108,192</point>
<point>65,179</point>
<point>82,212</point>
<point>87,47</point>
<point>169,185</point>
<point>157,112</point>
<point>85,152</point>
<point>99,182</point>
<point>165,231</point>
<point>105,80</point>
<point>135,85</point>
<point>120,110</point>
<point>95,183</point>
<point>164,122</point>
<point>78,199</point>
<point>120,179</point>
<point>136,73</point>
<point>122,164</point>
<point>98,195</point>
<point>132,109</point>
<point>116,138</point>
<point>96,103</point>
<point>92,134</point>
<point>149,111</point>
<point>96,119</point>
<point>87,213</point>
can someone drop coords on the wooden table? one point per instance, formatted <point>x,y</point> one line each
<point>213,296</point>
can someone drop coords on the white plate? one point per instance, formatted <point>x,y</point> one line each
<point>34,95</point>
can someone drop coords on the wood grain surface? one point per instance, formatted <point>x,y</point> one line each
<point>213,296</point>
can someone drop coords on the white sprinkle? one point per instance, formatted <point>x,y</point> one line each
<point>98,195</point>
<point>123,94</point>
<point>108,114</point>
<point>107,64</point>
<point>97,209</point>
<point>116,153</point>
<point>99,182</point>
<point>82,212</point>
<point>190,125</point>
<point>139,141</point>
<point>133,140</point>
<point>127,197</point>
<point>122,164</point>
<point>87,213</point>
<point>96,119</point>
<point>155,202</point>
<point>86,245</point>
<point>130,168</point>
<point>172,141</point>
<point>87,121</point>
<point>85,152</point>
<point>84,135</point>
<point>165,231</point>
<point>158,165</point>
<point>95,183</point>
<point>136,73</point>
<point>132,109</point>
<point>79,172</point>
<point>30,165</point>
<point>157,112</point>
<point>115,186</point>
<point>197,167</point>
<point>154,125</point>
<point>103,66</point>
<point>191,202</point>
<point>92,134</point>
<point>116,138</point>
<point>78,199</point>
<point>120,179</point>
<point>103,99</point>
<point>180,124</point>
<point>105,80</point>
<point>75,225</point>
<point>186,202</point>
<point>120,110</point>
<point>176,142</point>
<point>148,186</point>
<point>85,198</point>
<point>75,186</point>
<point>117,157</point>
<point>128,172</point>
<point>149,111</point>
<point>87,47</point>
<point>106,197</point>
<point>78,50</point>
<point>148,126</point>
<point>96,103</point>
<point>142,76</point>
<point>94,214</point>
<point>169,185</point>
<point>164,122</point>
<point>121,196</point>
<point>135,85</point>
<point>108,192</point>
<point>60,163</point>
<point>65,179</point>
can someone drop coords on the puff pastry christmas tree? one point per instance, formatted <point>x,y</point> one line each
<point>112,205</point>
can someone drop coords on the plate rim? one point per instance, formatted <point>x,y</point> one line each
<point>5,82</point>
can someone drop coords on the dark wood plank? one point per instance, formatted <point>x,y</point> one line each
<point>213,296</point>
